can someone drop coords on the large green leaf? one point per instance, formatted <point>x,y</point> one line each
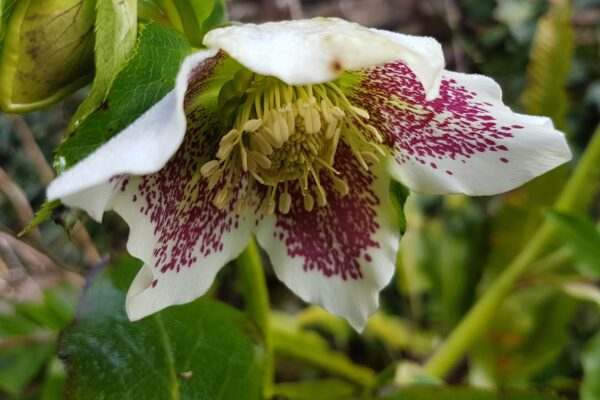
<point>590,389</point>
<point>581,235</point>
<point>201,350</point>
<point>551,55</point>
<point>115,27</point>
<point>147,77</point>
<point>47,52</point>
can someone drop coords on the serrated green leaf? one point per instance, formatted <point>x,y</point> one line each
<point>47,52</point>
<point>43,214</point>
<point>147,77</point>
<point>200,16</point>
<point>115,27</point>
<point>583,238</point>
<point>551,55</point>
<point>200,350</point>
<point>590,388</point>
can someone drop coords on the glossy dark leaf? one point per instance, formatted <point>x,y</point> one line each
<point>201,350</point>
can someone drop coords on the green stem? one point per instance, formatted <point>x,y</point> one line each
<point>471,326</point>
<point>256,295</point>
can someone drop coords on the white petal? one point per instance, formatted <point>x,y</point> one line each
<point>176,230</point>
<point>143,147</point>
<point>341,255</point>
<point>463,141</point>
<point>319,50</point>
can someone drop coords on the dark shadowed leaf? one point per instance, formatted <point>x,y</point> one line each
<point>201,350</point>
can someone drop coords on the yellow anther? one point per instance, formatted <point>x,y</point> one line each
<point>360,112</point>
<point>258,142</point>
<point>288,136</point>
<point>214,178</point>
<point>280,130</point>
<point>221,198</point>
<point>252,125</point>
<point>341,186</point>
<point>260,159</point>
<point>369,157</point>
<point>309,202</point>
<point>230,136</point>
<point>338,112</point>
<point>376,135</point>
<point>312,121</point>
<point>285,202</point>
<point>330,129</point>
<point>224,151</point>
<point>269,207</point>
<point>244,158</point>
<point>209,168</point>
<point>326,110</point>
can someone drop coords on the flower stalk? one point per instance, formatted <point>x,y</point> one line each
<point>472,325</point>
<point>256,295</point>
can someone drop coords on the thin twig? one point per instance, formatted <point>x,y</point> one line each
<point>79,234</point>
<point>18,200</point>
<point>17,341</point>
<point>34,153</point>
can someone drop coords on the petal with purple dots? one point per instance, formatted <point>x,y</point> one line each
<point>176,229</point>
<point>463,141</point>
<point>342,254</point>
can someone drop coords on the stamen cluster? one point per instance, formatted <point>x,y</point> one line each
<point>285,135</point>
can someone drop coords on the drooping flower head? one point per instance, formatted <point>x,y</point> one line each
<point>292,131</point>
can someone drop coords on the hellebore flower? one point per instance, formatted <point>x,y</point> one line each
<point>292,131</point>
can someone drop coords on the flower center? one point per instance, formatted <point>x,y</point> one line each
<point>287,135</point>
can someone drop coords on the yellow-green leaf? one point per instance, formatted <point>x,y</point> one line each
<point>47,52</point>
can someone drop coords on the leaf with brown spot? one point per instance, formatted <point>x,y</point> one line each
<point>47,52</point>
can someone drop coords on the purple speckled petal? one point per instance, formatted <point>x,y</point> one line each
<point>338,256</point>
<point>463,141</point>
<point>181,236</point>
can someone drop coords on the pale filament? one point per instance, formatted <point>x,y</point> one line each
<point>285,135</point>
